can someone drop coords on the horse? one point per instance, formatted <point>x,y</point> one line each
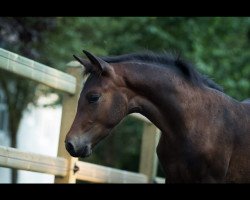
<point>205,134</point>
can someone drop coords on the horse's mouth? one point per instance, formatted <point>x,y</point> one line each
<point>86,152</point>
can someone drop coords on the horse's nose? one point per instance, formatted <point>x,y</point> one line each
<point>76,148</point>
<point>71,148</point>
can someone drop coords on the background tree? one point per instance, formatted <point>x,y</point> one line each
<point>218,46</point>
<point>23,36</point>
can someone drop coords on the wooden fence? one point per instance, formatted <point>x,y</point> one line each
<point>66,168</point>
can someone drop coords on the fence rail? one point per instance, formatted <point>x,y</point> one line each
<point>101,174</point>
<point>63,166</point>
<point>36,71</point>
<point>15,158</point>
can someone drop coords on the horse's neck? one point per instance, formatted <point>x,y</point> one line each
<point>169,101</point>
<point>156,95</point>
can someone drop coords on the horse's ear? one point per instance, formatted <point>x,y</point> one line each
<point>99,64</point>
<point>87,65</point>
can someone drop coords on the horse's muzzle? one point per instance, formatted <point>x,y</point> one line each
<point>77,150</point>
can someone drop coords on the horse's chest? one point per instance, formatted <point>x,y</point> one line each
<point>183,166</point>
<point>171,160</point>
<point>173,167</point>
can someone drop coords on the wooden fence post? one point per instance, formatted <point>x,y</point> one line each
<point>68,115</point>
<point>149,160</point>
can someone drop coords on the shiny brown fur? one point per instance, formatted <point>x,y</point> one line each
<point>205,133</point>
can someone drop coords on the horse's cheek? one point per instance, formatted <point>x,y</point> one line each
<point>117,110</point>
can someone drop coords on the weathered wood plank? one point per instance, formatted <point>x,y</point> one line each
<point>160,180</point>
<point>141,117</point>
<point>68,115</point>
<point>14,158</point>
<point>36,71</point>
<point>149,159</point>
<point>101,174</point>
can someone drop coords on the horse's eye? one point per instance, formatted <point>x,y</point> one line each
<point>93,98</point>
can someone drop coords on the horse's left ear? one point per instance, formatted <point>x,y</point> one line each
<point>99,65</point>
<point>87,65</point>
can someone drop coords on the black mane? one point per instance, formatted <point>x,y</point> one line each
<point>167,60</point>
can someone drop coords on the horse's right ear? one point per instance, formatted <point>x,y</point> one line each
<point>87,65</point>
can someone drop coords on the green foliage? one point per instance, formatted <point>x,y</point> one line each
<point>218,46</point>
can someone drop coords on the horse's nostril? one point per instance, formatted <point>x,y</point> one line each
<point>70,147</point>
<point>77,150</point>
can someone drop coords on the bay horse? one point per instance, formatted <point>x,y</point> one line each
<point>205,134</point>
